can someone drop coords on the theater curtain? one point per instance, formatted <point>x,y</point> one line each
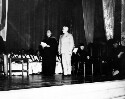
<point>88,16</point>
<point>123,23</point>
<point>28,21</point>
<point>108,12</point>
<point>3,25</point>
<point>0,10</point>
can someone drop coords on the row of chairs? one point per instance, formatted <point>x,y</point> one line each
<point>6,65</point>
<point>1,65</point>
<point>31,57</point>
<point>92,66</point>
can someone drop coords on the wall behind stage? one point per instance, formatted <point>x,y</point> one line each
<point>28,21</point>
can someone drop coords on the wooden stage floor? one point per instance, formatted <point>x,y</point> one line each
<point>38,81</point>
<point>62,87</point>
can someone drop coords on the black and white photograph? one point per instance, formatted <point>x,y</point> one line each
<point>62,49</point>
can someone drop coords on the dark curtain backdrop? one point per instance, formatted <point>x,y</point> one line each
<point>123,23</point>
<point>3,16</point>
<point>88,16</point>
<point>99,28</point>
<point>93,21</point>
<point>28,21</point>
<point>117,20</point>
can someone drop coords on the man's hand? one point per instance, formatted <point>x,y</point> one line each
<point>47,45</point>
<point>119,55</point>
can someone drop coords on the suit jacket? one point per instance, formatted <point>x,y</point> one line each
<point>66,44</point>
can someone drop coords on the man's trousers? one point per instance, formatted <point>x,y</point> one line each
<point>66,62</point>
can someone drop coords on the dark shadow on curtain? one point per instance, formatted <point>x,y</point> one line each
<point>117,20</point>
<point>28,21</point>
<point>99,28</point>
<point>88,16</point>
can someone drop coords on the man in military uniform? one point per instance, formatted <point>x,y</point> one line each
<point>66,45</point>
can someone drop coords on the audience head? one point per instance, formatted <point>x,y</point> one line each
<point>115,44</point>
<point>81,46</point>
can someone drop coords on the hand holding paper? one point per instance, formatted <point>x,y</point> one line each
<point>43,44</point>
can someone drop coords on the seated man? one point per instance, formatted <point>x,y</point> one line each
<point>117,54</point>
<point>74,61</point>
<point>82,57</point>
<point>82,53</point>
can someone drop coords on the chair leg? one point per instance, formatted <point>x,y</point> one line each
<point>22,69</point>
<point>78,68</point>
<point>28,68</point>
<point>6,65</point>
<point>92,72</point>
<point>10,68</point>
<point>84,70</point>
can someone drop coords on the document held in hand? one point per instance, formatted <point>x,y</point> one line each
<point>43,44</point>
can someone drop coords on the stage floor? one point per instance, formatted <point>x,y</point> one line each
<point>38,81</point>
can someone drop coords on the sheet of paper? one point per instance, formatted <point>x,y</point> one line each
<point>43,44</point>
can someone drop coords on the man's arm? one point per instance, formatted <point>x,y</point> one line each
<point>59,46</point>
<point>71,43</point>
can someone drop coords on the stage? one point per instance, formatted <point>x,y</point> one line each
<point>61,87</point>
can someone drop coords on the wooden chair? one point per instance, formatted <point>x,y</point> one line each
<point>22,61</point>
<point>2,65</point>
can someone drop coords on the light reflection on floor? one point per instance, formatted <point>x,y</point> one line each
<point>36,81</point>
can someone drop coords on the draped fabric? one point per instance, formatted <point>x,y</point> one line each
<point>117,21</point>
<point>78,23</point>
<point>0,10</point>
<point>99,29</point>
<point>28,21</point>
<point>123,23</point>
<point>88,16</point>
<point>108,11</point>
<point>3,26</point>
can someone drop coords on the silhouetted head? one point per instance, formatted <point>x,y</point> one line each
<point>81,46</point>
